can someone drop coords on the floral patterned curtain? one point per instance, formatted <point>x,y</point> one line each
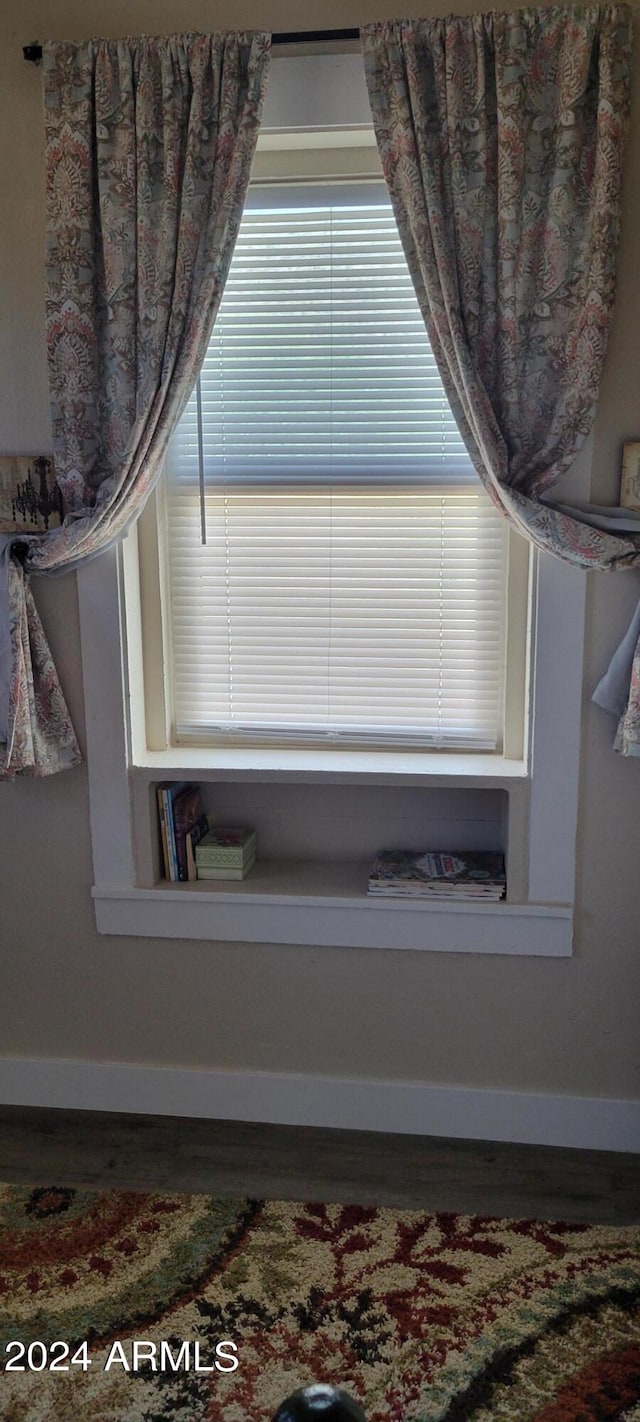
<point>501,139</point>
<point>149,144</point>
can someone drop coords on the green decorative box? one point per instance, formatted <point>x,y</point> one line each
<point>226,848</point>
<point>215,871</point>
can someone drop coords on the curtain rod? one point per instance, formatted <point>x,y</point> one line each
<point>33,52</point>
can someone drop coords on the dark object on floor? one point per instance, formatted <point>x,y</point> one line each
<point>319,1403</point>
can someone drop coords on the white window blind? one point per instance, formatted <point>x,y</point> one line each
<point>352,582</point>
<point>319,366</point>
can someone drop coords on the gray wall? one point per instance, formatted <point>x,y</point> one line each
<point>568,1026</point>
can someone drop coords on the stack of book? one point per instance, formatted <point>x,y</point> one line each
<point>226,853</point>
<point>183,822</point>
<point>438,874</point>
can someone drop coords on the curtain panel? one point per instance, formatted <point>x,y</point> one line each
<point>501,138</point>
<point>149,145</point>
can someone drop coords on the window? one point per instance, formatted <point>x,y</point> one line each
<point>317,127</point>
<point>335,572</point>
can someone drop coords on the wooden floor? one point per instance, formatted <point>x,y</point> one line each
<point>99,1150</point>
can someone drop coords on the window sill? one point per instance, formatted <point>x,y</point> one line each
<point>235,763</point>
<point>326,904</point>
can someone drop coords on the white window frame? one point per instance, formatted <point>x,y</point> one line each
<point>541,784</point>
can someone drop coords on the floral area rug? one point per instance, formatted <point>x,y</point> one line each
<point>121,1307</point>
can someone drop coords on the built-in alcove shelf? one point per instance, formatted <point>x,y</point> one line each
<point>325,835</point>
<point>318,834</point>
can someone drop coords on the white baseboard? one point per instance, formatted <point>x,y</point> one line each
<point>409,1107</point>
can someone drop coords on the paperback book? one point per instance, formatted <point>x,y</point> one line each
<point>192,839</point>
<point>187,813</point>
<point>181,820</point>
<point>461,876</point>
<point>166,795</point>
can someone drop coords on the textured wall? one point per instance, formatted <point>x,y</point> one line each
<point>561,1026</point>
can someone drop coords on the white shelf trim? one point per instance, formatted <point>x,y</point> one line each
<point>205,892</point>
<point>199,912</point>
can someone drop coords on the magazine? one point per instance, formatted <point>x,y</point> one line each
<point>443,874</point>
